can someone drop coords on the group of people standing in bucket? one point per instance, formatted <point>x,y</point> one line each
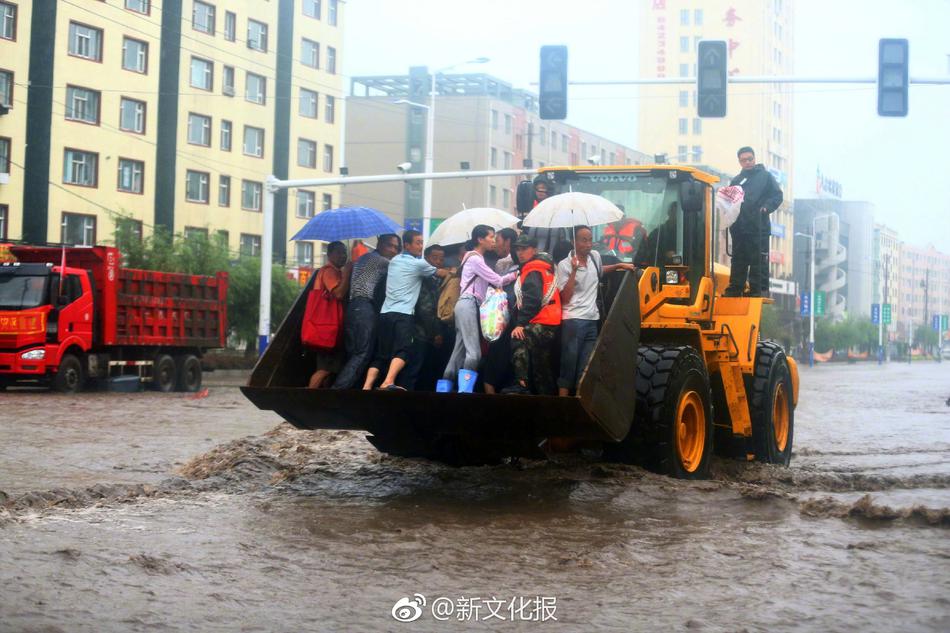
<point>394,339</point>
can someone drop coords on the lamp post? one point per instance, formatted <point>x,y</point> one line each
<point>811,301</point>
<point>430,144</point>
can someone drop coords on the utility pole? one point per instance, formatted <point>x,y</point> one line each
<point>880,319</point>
<point>887,267</point>
<point>926,284</point>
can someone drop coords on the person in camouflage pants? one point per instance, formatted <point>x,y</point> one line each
<point>531,358</point>
<point>537,321</point>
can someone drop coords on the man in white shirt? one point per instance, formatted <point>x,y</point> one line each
<point>578,278</point>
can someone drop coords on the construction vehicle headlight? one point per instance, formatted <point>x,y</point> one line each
<point>672,277</point>
<point>34,354</point>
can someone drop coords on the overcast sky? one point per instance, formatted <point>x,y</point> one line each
<point>900,165</point>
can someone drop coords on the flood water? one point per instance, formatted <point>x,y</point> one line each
<point>160,512</point>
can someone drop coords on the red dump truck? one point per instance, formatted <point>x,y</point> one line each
<point>68,316</point>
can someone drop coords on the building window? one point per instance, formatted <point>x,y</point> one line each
<point>251,195</point>
<point>134,55</point>
<point>78,229</point>
<point>250,245</point>
<point>509,159</point>
<point>223,237</point>
<point>4,220</point>
<point>684,70</point>
<point>256,35</point>
<point>331,60</point>
<point>227,81</point>
<point>684,98</point>
<point>304,252</point>
<point>494,157</point>
<point>328,158</point>
<point>6,88</point>
<point>507,124</point>
<point>327,201</point>
<point>684,44</point>
<point>308,103</point>
<point>5,152</point>
<point>494,119</point>
<point>306,153</point>
<point>85,41</point>
<point>543,136</point>
<point>310,53</point>
<point>306,200</point>
<point>132,115</point>
<point>81,168</point>
<point>199,129</point>
<point>224,191</point>
<point>331,12</point>
<point>7,21</point>
<point>553,140</point>
<point>684,17</point>
<point>202,17</point>
<point>82,104</point>
<point>230,26</point>
<point>253,141</point>
<point>329,110</point>
<point>225,135</point>
<point>255,89</point>
<point>492,195</point>
<point>564,143</point>
<point>681,152</point>
<point>196,186</point>
<point>505,198</point>
<point>698,17</point>
<point>684,126</point>
<point>139,6</point>
<point>697,154</point>
<point>311,8</point>
<point>193,232</point>
<point>202,73</point>
<point>697,126</point>
<point>130,175</point>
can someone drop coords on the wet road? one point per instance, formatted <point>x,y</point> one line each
<point>151,512</point>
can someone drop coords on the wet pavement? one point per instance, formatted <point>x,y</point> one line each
<point>163,512</point>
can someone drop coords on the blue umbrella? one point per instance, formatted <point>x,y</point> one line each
<point>346,223</point>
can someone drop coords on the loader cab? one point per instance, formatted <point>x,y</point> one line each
<point>664,222</point>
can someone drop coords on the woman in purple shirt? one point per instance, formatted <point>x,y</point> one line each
<point>476,276</point>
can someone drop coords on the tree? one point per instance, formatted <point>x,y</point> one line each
<point>244,292</point>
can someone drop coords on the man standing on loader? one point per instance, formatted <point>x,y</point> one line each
<point>752,229</point>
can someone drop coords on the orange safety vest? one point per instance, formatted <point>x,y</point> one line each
<point>551,313</point>
<point>629,229</point>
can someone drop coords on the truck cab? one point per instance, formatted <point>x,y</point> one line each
<point>43,314</point>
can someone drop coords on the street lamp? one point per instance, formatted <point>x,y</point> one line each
<point>430,144</point>
<point>811,304</point>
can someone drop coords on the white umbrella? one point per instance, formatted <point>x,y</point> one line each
<point>572,208</point>
<point>458,227</point>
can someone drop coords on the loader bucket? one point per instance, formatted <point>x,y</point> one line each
<point>459,427</point>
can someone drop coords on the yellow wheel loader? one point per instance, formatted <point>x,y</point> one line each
<point>677,372</point>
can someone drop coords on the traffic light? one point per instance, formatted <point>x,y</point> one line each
<point>892,77</point>
<point>711,78</point>
<point>553,82</point>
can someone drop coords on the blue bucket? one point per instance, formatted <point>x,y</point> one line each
<point>443,386</point>
<point>467,379</point>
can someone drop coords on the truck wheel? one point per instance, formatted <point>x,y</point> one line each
<point>672,431</point>
<point>163,373</point>
<point>188,369</point>
<point>770,405</point>
<point>69,377</point>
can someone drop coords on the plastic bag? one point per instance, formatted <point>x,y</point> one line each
<point>728,203</point>
<point>493,314</point>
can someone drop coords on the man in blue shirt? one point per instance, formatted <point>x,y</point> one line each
<point>404,280</point>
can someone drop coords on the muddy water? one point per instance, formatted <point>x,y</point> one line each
<point>217,520</point>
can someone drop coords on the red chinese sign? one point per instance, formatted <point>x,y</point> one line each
<point>660,5</point>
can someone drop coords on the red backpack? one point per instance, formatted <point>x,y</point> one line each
<point>322,327</point>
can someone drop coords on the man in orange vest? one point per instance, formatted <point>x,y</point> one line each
<point>624,237</point>
<point>539,316</point>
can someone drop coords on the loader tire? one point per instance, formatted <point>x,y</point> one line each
<point>69,377</point>
<point>770,405</point>
<point>188,372</point>
<point>163,373</point>
<point>672,431</point>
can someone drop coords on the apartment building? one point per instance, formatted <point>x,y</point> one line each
<point>169,114</point>
<point>759,41</point>
<point>481,123</point>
